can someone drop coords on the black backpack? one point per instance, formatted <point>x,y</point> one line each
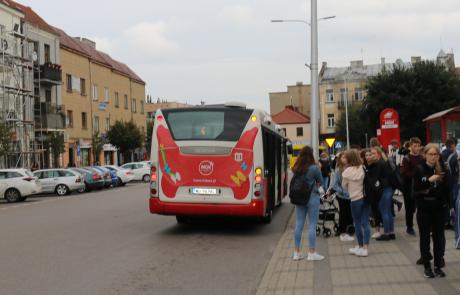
<point>299,191</point>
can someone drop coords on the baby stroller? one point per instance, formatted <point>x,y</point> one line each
<point>328,214</point>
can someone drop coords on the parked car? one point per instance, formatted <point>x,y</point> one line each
<point>105,175</point>
<point>113,174</point>
<point>92,180</point>
<point>17,184</point>
<point>141,170</point>
<point>123,175</point>
<point>60,181</point>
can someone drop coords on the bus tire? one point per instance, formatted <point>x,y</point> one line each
<point>267,218</point>
<point>181,219</point>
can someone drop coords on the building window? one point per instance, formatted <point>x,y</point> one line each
<point>329,95</point>
<point>48,96</point>
<point>343,95</point>
<point>299,131</point>
<point>94,92</point>
<point>330,120</point>
<point>285,132</point>
<point>69,119</point>
<point>107,124</point>
<point>133,105</point>
<point>69,82</point>
<point>106,94</point>
<point>142,107</point>
<point>96,124</point>
<point>37,52</point>
<point>126,101</point>
<point>82,86</point>
<point>117,102</point>
<point>47,53</point>
<point>84,121</point>
<point>358,94</point>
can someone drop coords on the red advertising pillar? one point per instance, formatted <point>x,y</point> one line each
<point>389,126</point>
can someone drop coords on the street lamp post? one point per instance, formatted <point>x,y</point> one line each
<point>314,99</point>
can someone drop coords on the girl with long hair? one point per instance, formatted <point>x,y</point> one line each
<point>306,166</point>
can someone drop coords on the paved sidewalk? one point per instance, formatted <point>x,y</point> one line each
<point>389,269</point>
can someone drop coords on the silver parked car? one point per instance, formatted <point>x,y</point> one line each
<point>60,181</point>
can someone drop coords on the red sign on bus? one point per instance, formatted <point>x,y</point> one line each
<point>389,127</point>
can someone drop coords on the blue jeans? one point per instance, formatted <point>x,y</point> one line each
<point>325,183</point>
<point>385,204</point>
<point>457,223</point>
<point>360,210</point>
<point>300,216</point>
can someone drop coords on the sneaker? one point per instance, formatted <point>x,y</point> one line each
<point>428,273</point>
<point>383,238</point>
<point>362,252</point>
<point>298,256</point>
<point>376,235</point>
<point>314,256</point>
<point>346,238</point>
<point>353,250</point>
<point>439,273</point>
<point>410,231</point>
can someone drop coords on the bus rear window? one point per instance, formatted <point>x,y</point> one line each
<point>207,124</point>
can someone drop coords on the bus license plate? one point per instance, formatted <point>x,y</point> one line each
<point>204,191</point>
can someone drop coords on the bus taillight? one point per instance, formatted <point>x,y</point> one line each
<point>258,183</point>
<point>153,181</point>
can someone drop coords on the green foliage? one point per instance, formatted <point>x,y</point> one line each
<point>415,93</point>
<point>55,143</point>
<point>148,139</point>
<point>126,136</point>
<point>357,126</point>
<point>97,145</point>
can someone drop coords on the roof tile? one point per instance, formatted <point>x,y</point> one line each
<point>290,116</point>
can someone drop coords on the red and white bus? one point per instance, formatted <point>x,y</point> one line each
<point>217,160</point>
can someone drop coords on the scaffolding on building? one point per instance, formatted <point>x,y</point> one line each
<point>17,97</point>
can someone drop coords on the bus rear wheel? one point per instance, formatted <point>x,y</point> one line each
<point>267,218</point>
<point>181,219</point>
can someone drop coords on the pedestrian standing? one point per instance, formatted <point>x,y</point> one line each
<point>353,177</point>
<point>305,165</point>
<point>373,189</point>
<point>343,198</point>
<point>431,192</point>
<point>450,158</point>
<point>325,169</point>
<point>408,165</point>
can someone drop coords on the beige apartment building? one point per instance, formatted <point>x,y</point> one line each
<point>97,91</point>
<point>297,96</point>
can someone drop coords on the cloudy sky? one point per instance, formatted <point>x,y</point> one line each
<point>221,50</point>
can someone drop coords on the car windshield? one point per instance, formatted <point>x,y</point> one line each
<point>28,173</point>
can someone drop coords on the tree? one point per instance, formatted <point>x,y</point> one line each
<point>97,145</point>
<point>415,93</point>
<point>148,139</point>
<point>357,126</point>
<point>5,141</point>
<point>55,143</point>
<point>126,136</point>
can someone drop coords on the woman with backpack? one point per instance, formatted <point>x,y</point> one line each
<point>353,182</point>
<point>306,168</point>
<point>431,192</point>
<point>343,198</point>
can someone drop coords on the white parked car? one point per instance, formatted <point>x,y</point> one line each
<point>17,184</point>
<point>141,170</point>
<point>124,175</point>
<point>60,181</point>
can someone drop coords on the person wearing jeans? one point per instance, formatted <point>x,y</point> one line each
<point>353,182</point>
<point>385,204</point>
<point>306,166</point>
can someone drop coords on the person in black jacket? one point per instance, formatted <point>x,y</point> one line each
<point>373,189</point>
<point>431,192</point>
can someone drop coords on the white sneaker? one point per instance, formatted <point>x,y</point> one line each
<point>362,252</point>
<point>298,256</point>
<point>314,256</point>
<point>376,235</point>
<point>354,250</point>
<point>346,238</point>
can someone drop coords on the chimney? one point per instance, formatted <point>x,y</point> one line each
<point>382,60</point>
<point>356,64</point>
<point>86,41</point>
<point>415,59</point>
<point>299,83</point>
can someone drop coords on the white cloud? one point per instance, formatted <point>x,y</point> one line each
<point>241,15</point>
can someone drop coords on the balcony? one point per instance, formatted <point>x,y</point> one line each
<point>49,73</point>
<point>49,117</point>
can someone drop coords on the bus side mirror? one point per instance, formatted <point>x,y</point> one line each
<point>290,150</point>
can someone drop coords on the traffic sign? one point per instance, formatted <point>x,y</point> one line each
<point>330,141</point>
<point>338,145</point>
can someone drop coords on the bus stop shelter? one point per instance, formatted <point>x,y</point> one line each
<point>443,125</point>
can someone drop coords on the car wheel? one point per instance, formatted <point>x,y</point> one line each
<point>82,190</point>
<point>12,195</point>
<point>146,178</point>
<point>62,190</point>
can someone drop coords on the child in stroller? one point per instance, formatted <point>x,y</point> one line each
<point>328,214</point>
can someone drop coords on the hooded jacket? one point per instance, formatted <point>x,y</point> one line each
<point>353,182</point>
